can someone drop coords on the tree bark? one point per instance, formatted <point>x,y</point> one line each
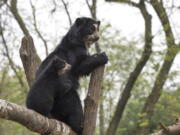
<point>30,59</point>
<point>101,117</point>
<point>171,53</point>
<point>32,120</point>
<point>92,100</point>
<point>124,97</point>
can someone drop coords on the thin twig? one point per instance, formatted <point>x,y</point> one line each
<point>36,28</point>
<point>67,12</point>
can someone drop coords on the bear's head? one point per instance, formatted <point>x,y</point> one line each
<point>85,31</point>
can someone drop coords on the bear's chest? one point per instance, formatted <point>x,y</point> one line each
<point>75,57</point>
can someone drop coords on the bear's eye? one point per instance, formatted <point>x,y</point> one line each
<point>93,28</point>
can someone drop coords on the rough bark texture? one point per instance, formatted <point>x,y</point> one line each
<point>134,75</point>
<point>92,100</point>
<point>171,53</point>
<point>101,116</point>
<point>170,130</point>
<point>32,120</point>
<point>29,58</point>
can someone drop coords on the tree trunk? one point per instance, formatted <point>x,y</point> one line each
<point>92,100</point>
<point>172,51</point>
<point>101,118</point>
<point>134,75</point>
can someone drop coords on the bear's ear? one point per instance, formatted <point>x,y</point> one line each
<point>79,21</point>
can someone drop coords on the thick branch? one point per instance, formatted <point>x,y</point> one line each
<point>29,58</point>
<point>32,120</point>
<point>170,130</point>
<point>161,12</point>
<point>92,100</point>
<point>134,75</point>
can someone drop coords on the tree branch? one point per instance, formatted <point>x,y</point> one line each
<point>28,53</point>
<point>11,63</point>
<point>18,18</point>
<point>36,28</point>
<point>152,99</point>
<point>170,130</point>
<point>67,12</point>
<point>129,2</point>
<point>32,120</point>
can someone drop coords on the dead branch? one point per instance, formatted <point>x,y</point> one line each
<point>32,120</point>
<point>92,100</point>
<point>29,58</point>
<point>170,130</point>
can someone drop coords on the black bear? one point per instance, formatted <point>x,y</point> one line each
<point>56,95</point>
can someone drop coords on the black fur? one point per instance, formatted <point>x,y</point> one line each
<point>56,96</point>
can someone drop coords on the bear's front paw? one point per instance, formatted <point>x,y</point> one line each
<point>58,63</point>
<point>103,59</point>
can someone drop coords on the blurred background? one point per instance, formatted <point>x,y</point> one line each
<point>141,84</point>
